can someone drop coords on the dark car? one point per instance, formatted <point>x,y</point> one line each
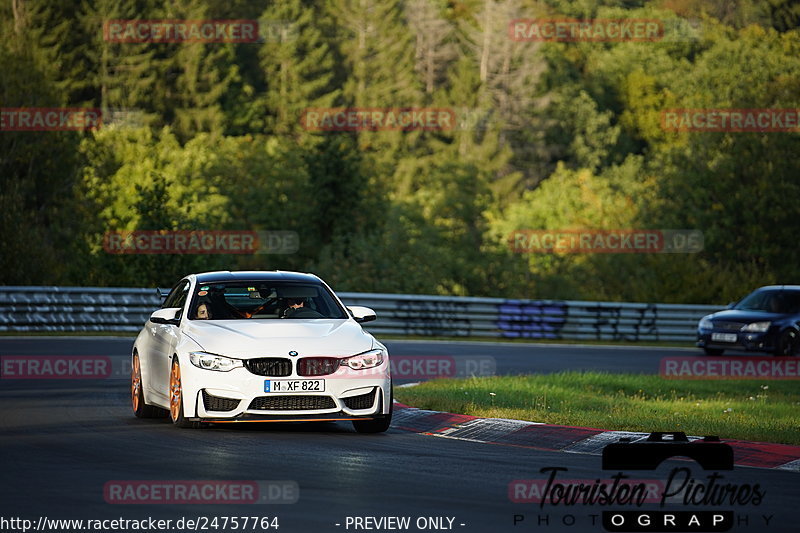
<point>766,320</point>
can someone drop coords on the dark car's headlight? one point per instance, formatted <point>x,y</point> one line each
<point>364,360</point>
<point>757,327</point>
<point>706,323</point>
<point>210,361</point>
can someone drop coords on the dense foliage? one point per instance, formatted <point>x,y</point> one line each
<point>551,136</point>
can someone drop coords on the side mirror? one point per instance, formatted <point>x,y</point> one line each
<point>362,314</point>
<point>169,315</point>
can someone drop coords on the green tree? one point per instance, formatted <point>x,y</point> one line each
<point>377,51</point>
<point>740,188</point>
<point>298,65</point>
<point>37,168</point>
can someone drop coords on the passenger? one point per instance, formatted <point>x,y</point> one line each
<point>203,312</point>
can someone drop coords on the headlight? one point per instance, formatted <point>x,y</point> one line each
<point>705,323</point>
<point>210,361</point>
<point>364,360</point>
<point>759,327</point>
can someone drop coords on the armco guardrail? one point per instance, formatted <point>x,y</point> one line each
<point>25,309</point>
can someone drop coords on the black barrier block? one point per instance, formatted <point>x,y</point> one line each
<point>709,452</point>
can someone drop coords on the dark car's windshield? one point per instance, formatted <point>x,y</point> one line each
<point>772,301</point>
<point>263,300</point>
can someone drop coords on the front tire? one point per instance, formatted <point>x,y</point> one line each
<point>378,424</point>
<point>713,351</point>
<point>176,398</point>
<point>787,344</point>
<point>141,409</point>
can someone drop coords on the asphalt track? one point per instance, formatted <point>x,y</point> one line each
<point>63,441</point>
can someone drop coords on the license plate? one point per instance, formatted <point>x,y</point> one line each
<point>724,337</point>
<point>294,385</point>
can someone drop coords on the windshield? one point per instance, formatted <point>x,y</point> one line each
<point>270,300</point>
<point>772,301</point>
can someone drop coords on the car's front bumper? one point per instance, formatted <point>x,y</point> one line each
<point>244,418</point>
<point>349,394</point>
<point>749,341</point>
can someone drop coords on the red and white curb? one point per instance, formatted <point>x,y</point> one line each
<point>568,439</point>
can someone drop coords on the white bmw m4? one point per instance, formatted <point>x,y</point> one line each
<point>231,347</point>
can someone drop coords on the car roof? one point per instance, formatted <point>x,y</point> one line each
<point>255,275</point>
<point>780,287</point>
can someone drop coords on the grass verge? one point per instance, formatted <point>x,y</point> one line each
<point>756,410</point>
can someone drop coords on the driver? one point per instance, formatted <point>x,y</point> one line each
<point>775,304</point>
<point>294,304</point>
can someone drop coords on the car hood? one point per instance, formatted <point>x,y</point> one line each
<point>263,338</point>
<point>737,315</point>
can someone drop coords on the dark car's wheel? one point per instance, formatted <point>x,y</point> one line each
<point>141,409</point>
<point>176,398</point>
<point>376,425</point>
<point>787,343</point>
<point>713,351</point>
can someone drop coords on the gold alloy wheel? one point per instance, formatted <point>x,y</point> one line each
<point>175,391</point>
<point>136,382</point>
